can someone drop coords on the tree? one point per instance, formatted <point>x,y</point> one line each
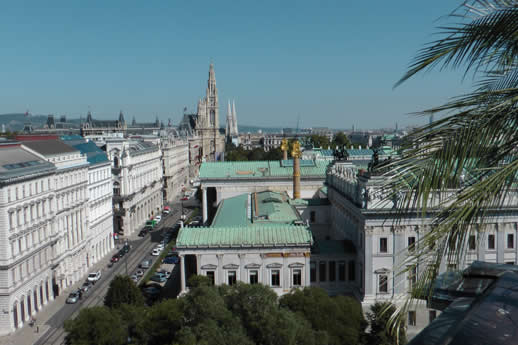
<point>97,325</point>
<point>380,333</point>
<point>164,321</point>
<point>470,147</point>
<point>122,290</point>
<point>340,318</point>
<point>340,139</point>
<point>319,141</point>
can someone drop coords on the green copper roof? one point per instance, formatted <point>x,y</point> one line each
<point>232,212</point>
<point>273,207</point>
<point>259,169</point>
<point>248,236</point>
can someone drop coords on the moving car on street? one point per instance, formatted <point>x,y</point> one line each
<point>94,276</point>
<point>73,298</point>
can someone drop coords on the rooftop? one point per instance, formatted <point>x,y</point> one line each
<point>49,147</point>
<point>244,236</point>
<point>262,219</point>
<point>261,169</point>
<point>15,162</point>
<point>94,154</point>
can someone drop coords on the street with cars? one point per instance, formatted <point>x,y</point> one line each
<point>133,258</point>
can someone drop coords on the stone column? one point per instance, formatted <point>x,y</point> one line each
<point>220,279</point>
<point>368,263</point>
<point>307,270</point>
<point>182,273</point>
<point>204,203</point>
<point>500,241</point>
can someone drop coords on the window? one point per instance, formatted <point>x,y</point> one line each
<point>412,277</point>
<point>276,278</point>
<point>341,271</point>
<point>312,217</point>
<point>411,243</point>
<point>383,283</point>
<point>254,277</point>
<point>332,271</point>
<point>432,315</point>
<point>116,189</point>
<point>383,245</point>
<point>322,271</point>
<point>509,263</point>
<point>231,277</point>
<point>352,273</point>
<point>490,241</point>
<point>510,241</point>
<point>297,277</point>
<point>210,275</point>
<point>472,242</point>
<point>451,267</point>
<point>411,318</point>
<point>313,271</point>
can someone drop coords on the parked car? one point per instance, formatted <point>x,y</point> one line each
<point>158,278</point>
<point>86,286</point>
<point>142,233</point>
<point>134,278</point>
<point>166,212</point>
<point>115,258</point>
<point>145,264</point>
<point>73,298</point>
<point>164,273</point>
<point>185,198</point>
<point>155,252</point>
<point>126,248</point>
<point>139,273</point>
<point>172,260</point>
<point>158,218</point>
<point>151,223</point>
<point>160,246</point>
<point>94,276</point>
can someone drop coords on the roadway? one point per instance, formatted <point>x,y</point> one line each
<point>140,250</point>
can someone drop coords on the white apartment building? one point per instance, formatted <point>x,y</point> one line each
<point>175,160</point>
<point>100,194</point>
<point>27,234</point>
<point>70,184</point>
<point>137,183</point>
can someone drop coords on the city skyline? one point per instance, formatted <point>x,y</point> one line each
<point>317,61</point>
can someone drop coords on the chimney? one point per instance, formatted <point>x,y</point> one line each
<point>296,170</point>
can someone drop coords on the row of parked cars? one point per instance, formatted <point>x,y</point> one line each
<point>123,251</point>
<point>75,296</point>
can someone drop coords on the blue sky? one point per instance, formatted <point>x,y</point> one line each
<point>333,63</point>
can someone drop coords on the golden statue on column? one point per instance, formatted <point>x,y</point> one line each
<point>284,148</point>
<point>296,154</point>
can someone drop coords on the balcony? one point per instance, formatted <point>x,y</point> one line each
<point>116,171</point>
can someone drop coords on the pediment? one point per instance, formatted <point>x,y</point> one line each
<point>252,266</point>
<point>382,271</point>
<point>274,265</point>
<point>231,267</point>
<point>209,267</point>
<point>296,265</point>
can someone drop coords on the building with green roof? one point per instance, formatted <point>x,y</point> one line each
<point>222,180</point>
<point>255,238</point>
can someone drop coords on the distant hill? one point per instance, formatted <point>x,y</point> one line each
<point>255,129</point>
<point>16,121</point>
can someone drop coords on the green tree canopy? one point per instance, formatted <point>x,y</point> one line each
<point>319,141</point>
<point>122,290</point>
<point>97,325</point>
<point>340,317</point>
<point>340,139</point>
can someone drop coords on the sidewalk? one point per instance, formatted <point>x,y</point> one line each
<point>29,335</point>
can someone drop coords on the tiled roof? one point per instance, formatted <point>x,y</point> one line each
<point>247,236</point>
<point>272,207</point>
<point>258,169</point>
<point>94,154</point>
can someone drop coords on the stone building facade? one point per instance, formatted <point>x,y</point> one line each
<point>137,174</point>
<point>383,239</point>
<point>175,160</point>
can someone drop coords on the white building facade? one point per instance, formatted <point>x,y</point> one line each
<point>137,183</point>
<point>361,214</point>
<point>175,161</point>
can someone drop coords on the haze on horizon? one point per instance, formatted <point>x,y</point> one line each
<point>333,63</point>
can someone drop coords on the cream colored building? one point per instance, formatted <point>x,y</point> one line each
<point>137,183</point>
<point>175,160</point>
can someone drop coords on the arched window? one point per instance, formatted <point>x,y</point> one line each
<point>116,188</point>
<point>212,117</point>
<point>116,162</point>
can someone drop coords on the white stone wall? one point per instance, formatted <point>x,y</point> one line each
<point>25,251</point>
<point>100,212</point>
<point>242,261</point>
<point>175,160</point>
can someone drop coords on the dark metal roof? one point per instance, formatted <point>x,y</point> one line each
<point>483,312</point>
<point>49,147</point>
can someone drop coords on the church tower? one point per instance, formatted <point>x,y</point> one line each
<point>212,100</point>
